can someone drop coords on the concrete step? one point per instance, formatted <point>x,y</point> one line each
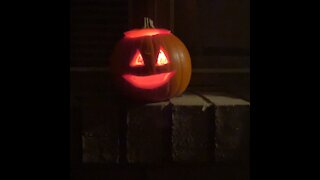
<point>193,128</point>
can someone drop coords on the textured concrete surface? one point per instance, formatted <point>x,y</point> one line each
<point>232,127</point>
<point>193,128</point>
<point>148,138</point>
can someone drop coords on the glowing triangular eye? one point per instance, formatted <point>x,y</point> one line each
<point>137,60</point>
<point>162,59</point>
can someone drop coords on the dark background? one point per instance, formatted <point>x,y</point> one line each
<point>216,32</point>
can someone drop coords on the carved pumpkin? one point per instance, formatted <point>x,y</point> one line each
<point>151,64</point>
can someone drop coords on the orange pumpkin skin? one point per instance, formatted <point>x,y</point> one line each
<point>149,87</point>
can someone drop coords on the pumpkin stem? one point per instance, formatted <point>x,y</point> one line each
<point>148,23</point>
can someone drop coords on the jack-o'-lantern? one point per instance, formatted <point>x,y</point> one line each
<point>151,64</point>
